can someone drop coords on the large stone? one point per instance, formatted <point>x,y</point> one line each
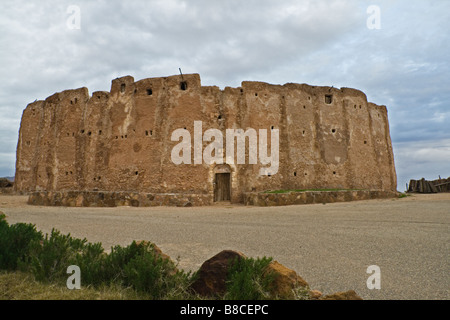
<point>212,275</point>
<point>156,250</point>
<point>315,294</point>
<point>347,295</point>
<point>285,281</point>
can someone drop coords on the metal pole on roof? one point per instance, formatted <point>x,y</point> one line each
<point>181,74</point>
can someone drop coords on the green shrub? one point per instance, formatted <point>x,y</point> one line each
<point>403,195</point>
<point>248,280</point>
<point>91,260</point>
<point>115,262</point>
<point>154,275</point>
<point>140,267</point>
<point>137,266</point>
<point>15,242</point>
<point>49,258</point>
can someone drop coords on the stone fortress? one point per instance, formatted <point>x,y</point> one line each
<point>114,148</point>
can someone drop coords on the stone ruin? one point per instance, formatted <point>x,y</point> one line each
<point>425,186</point>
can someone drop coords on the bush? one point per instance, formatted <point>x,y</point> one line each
<point>91,261</point>
<point>113,266</point>
<point>248,279</point>
<point>154,275</point>
<point>49,258</point>
<point>138,266</point>
<point>142,268</point>
<point>15,243</point>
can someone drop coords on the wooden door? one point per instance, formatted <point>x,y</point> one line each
<point>222,189</point>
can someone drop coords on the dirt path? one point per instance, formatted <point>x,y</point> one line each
<point>330,245</point>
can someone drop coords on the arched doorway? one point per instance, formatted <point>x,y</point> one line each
<point>222,183</point>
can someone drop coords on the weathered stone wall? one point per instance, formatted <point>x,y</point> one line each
<point>116,199</point>
<point>121,140</point>
<point>311,197</point>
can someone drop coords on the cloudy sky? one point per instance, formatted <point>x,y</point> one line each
<point>399,58</point>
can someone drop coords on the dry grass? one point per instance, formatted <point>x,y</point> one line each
<point>22,286</point>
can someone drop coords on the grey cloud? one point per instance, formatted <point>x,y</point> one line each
<point>416,160</point>
<point>404,65</point>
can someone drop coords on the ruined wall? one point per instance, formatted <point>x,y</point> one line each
<point>120,140</point>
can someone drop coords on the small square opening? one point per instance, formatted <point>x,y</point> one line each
<point>183,85</point>
<point>328,98</point>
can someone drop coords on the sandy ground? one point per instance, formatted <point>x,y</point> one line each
<point>330,246</point>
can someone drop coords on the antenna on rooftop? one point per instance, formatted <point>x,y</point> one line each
<point>183,84</point>
<point>181,74</point>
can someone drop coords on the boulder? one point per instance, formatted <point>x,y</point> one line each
<point>212,277</point>
<point>347,295</point>
<point>213,273</point>
<point>158,252</point>
<point>285,281</point>
<point>315,294</point>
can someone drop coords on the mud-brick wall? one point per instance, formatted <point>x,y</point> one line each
<point>121,140</point>
<point>28,147</point>
<point>329,138</point>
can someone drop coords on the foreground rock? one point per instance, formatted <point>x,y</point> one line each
<point>348,295</point>
<point>315,294</point>
<point>286,284</point>
<point>285,281</point>
<point>212,275</point>
<point>158,254</point>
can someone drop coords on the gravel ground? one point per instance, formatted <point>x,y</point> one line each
<point>330,246</point>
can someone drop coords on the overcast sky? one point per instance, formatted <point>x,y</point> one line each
<point>402,63</point>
